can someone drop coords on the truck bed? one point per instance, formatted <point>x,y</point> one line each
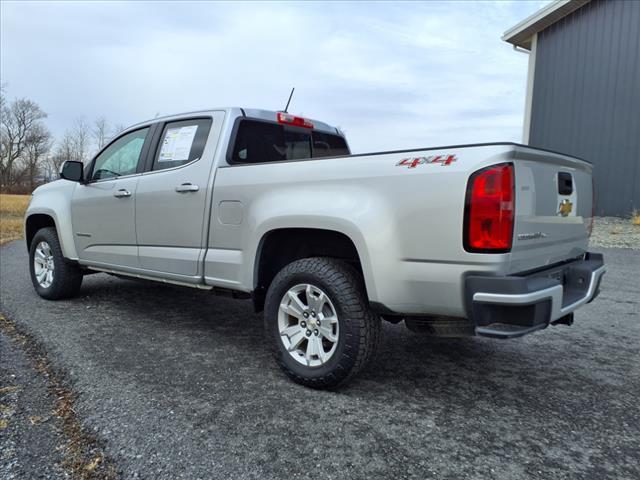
<point>405,217</point>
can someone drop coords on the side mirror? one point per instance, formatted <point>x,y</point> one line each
<point>72,170</point>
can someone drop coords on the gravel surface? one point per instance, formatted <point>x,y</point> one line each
<point>178,384</point>
<point>615,232</point>
<point>40,434</point>
<point>31,438</point>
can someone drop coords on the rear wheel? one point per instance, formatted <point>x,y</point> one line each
<point>53,276</point>
<point>319,323</point>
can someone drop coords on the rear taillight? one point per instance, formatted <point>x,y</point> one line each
<point>490,210</point>
<point>289,119</point>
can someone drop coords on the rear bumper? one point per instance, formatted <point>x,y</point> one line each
<point>512,306</point>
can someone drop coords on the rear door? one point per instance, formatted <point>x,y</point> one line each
<point>172,196</point>
<point>103,209</point>
<point>554,208</point>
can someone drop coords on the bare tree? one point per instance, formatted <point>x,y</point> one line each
<point>65,150</point>
<point>117,128</point>
<point>48,172</point>
<point>100,132</point>
<point>17,122</point>
<point>38,145</point>
<point>76,145</point>
<point>80,135</point>
<point>26,146</point>
<point>3,99</point>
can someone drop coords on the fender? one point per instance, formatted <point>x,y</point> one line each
<point>356,214</point>
<point>56,203</point>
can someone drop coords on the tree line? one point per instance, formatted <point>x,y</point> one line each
<point>29,153</point>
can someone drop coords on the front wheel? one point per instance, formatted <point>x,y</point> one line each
<point>319,322</point>
<point>52,275</point>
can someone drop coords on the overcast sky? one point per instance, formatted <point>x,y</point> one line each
<point>392,75</point>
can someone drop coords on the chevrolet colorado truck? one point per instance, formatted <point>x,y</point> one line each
<point>488,240</point>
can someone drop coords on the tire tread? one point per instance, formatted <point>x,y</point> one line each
<point>67,276</point>
<point>353,301</point>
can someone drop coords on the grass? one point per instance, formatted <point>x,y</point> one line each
<point>82,454</point>
<point>12,208</point>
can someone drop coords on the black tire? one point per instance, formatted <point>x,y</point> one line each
<point>359,327</point>
<point>67,277</point>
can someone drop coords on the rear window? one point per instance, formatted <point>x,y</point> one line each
<point>327,145</point>
<point>258,142</point>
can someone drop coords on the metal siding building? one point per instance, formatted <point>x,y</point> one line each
<point>583,93</point>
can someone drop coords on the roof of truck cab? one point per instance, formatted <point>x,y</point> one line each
<point>259,114</point>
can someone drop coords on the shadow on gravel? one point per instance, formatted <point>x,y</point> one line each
<point>168,320</point>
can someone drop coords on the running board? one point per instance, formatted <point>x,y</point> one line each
<point>199,286</point>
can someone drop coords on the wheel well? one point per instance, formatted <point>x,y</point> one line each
<point>36,222</point>
<point>278,248</point>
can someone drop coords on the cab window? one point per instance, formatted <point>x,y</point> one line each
<point>327,145</point>
<point>258,141</point>
<point>121,157</point>
<point>181,142</point>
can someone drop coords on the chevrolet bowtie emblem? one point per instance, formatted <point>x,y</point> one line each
<point>565,207</point>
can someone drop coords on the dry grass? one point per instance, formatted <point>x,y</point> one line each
<point>635,217</point>
<point>83,455</point>
<point>12,208</point>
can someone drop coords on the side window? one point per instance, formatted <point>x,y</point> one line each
<point>258,142</point>
<point>121,157</point>
<point>181,142</point>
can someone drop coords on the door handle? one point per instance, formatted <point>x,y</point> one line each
<point>122,193</point>
<point>187,187</point>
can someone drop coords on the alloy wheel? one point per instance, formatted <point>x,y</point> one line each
<point>308,325</point>
<point>43,264</point>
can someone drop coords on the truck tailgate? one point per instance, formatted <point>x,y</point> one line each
<point>554,208</point>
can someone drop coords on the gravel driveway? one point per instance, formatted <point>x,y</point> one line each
<point>177,383</point>
<point>615,232</point>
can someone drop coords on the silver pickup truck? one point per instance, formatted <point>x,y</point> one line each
<point>488,240</point>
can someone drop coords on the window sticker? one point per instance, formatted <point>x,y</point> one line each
<point>177,144</point>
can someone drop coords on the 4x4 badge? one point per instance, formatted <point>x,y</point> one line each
<point>413,162</point>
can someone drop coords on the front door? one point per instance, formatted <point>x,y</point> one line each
<point>103,209</point>
<point>171,196</point>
